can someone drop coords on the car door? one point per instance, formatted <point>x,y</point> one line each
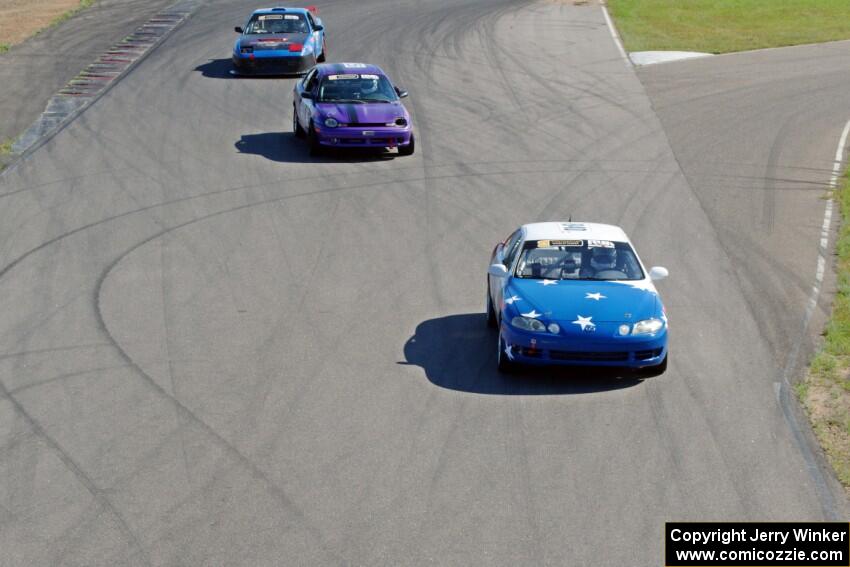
<point>503,254</point>
<point>318,35</point>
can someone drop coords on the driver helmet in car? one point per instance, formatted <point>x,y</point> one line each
<point>603,259</point>
<point>368,86</point>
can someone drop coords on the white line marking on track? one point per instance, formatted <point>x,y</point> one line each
<point>616,36</point>
<point>783,387</point>
<point>827,222</point>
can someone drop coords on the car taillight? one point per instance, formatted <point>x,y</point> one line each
<point>296,46</point>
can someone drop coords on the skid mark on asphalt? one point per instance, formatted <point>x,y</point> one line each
<point>769,203</point>
<point>519,470</point>
<point>99,495</point>
<point>281,496</point>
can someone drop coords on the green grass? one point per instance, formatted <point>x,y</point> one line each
<point>825,393</point>
<point>5,151</point>
<point>4,47</point>
<point>67,15</point>
<point>722,26</point>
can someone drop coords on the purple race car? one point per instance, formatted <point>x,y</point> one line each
<point>351,105</point>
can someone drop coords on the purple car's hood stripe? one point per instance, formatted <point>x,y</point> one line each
<point>350,113</point>
<point>374,113</point>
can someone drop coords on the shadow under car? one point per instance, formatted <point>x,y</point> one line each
<point>285,147</point>
<point>458,352</point>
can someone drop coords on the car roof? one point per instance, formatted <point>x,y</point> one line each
<point>278,10</point>
<point>574,231</point>
<point>344,68</point>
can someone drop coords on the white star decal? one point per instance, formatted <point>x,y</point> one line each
<point>510,300</point>
<point>584,322</point>
<point>548,282</point>
<point>509,351</point>
<point>597,296</point>
<point>533,314</point>
<point>645,285</point>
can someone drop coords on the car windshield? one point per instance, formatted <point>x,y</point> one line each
<point>578,260</point>
<point>354,87</point>
<point>277,23</point>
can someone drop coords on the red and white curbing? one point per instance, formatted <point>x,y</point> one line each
<point>97,77</point>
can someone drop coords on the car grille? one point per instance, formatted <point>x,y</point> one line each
<point>371,141</point>
<point>588,356</point>
<point>269,46</point>
<point>274,65</point>
<point>274,62</point>
<point>647,354</point>
<point>531,353</point>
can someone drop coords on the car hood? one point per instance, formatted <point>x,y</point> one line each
<point>363,113</point>
<point>565,300</point>
<point>272,41</point>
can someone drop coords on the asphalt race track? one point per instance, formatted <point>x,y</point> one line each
<point>216,350</point>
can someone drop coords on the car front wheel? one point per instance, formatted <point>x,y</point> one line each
<point>313,141</point>
<point>503,361</point>
<point>409,148</point>
<point>652,371</point>
<point>296,127</point>
<point>491,313</point>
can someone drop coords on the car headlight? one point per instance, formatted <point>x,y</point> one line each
<point>528,324</point>
<point>247,49</point>
<point>331,122</point>
<point>647,327</point>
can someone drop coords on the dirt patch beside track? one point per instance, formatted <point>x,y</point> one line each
<point>20,19</point>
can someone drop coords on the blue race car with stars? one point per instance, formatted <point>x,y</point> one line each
<point>279,41</point>
<point>571,293</point>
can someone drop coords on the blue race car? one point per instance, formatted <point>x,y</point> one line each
<point>279,41</point>
<point>567,293</point>
<point>351,105</point>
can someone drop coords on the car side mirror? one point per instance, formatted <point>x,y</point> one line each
<point>238,29</point>
<point>658,273</point>
<point>318,27</point>
<point>307,94</point>
<point>401,93</point>
<point>498,270</point>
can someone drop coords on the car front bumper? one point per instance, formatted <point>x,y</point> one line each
<point>364,136</point>
<point>580,350</point>
<point>276,64</point>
